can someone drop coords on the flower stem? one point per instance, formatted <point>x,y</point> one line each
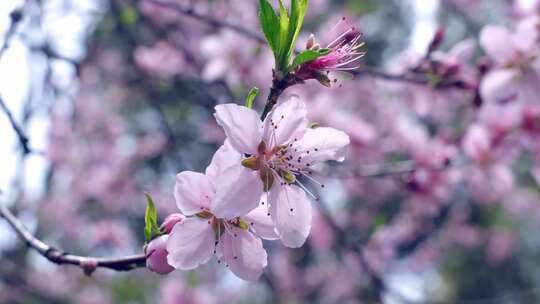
<point>278,87</point>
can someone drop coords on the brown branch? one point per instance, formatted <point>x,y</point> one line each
<point>418,79</point>
<point>208,19</point>
<point>87,264</point>
<point>278,87</point>
<point>23,139</point>
<point>15,17</point>
<point>393,168</point>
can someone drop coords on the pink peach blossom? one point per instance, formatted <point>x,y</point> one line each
<point>274,153</point>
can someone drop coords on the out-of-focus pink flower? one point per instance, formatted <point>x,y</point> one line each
<point>111,233</point>
<point>162,60</point>
<point>280,149</point>
<point>159,13</point>
<point>156,255</point>
<point>218,221</point>
<point>93,294</point>
<point>170,221</point>
<point>174,291</point>
<point>500,246</point>
<point>150,145</point>
<point>322,236</point>
<point>236,59</point>
<point>517,65</point>
<point>477,143</point>
<point>531,119</point>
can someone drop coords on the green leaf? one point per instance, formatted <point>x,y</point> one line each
<point>298,12</point>
<point>251,97</point>
<point>313,125</point>
<point>151,228</point>
<point>307,56</point>
<point>270,25</point>
<point>283,35</point>
<point>281,32</point>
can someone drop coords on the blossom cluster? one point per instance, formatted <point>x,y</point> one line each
<point>253,189</point>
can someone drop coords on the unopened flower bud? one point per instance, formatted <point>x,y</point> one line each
<point>311,42</point>
<point>156,255</point>
<point>437,40</point>
<point>170,221</point>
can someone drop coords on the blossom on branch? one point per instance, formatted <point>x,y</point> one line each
<point>275,153</point>
<point>218,220</point>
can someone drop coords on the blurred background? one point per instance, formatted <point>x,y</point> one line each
<point>437,202</point>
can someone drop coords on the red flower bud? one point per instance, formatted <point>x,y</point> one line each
<point>170,221</point>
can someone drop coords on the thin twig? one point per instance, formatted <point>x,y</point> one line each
<point>15,17</point>
<point>23,139</point>
<point>87,264</point>
<point>393,168</point>
<point>207,19</point>
<point>412,79</point>
<point>278,87</point>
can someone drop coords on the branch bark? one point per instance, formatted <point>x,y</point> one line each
<point>208,19</point>
<point>59,257</point>
<point>23,139</point>
<point>278,87</point>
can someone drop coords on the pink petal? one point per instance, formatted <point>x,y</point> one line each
<point>463,50</point>
<point>241,125</point>
<point>497,42</point>
<point>292,226</point>
<point>477,142</point>
<point>244,253</point>
<point>499,85</point>
<point>192,192</point>
<point>287,121</point>
<point>323,144</point>
<point>261,223</point>
<point>527,34</point>
<point>239,191</point>
<point>156,256</point>
<point>215,69</point>
<point>190,244</point>
<point>226,156</point>
<point>536,174</point>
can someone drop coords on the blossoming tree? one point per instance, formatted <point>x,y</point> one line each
<point>285,151</point>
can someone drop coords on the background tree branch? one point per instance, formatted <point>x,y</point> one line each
<point>59,257</point>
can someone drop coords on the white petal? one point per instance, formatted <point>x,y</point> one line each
<point>244,253</point>
<point>190,244</point>
<point>287,121</point>
<point>225,157</point>
<point>261,223</point>
<point>498,43</point>
<point>238,192</point>
<point>192,192</point>
<point>322,144</point>
<point>499,85</point>
<point>292,226</point>
<point>241,125</point>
